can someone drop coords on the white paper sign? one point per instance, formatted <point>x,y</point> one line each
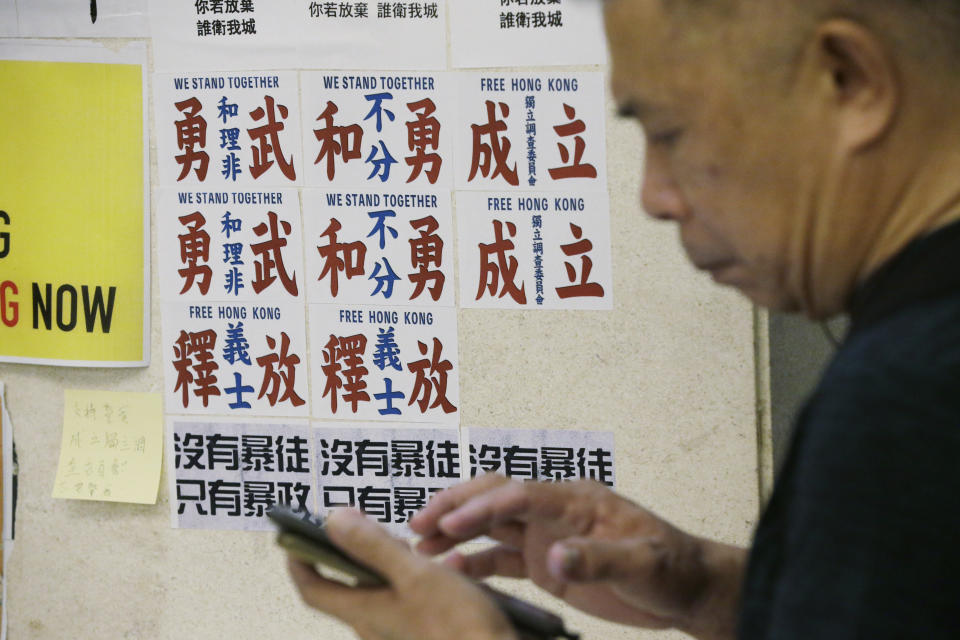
<point>389,474</point>
<point>377,129</point>
<point>531,131</point>
<point>544,250</point>
<point>383,363</point>
<point>512,33</point>
<point>230,246</point>
<point>547,455</point>
<point>83,18</point>
<point>371,35</point>
<point>8,18</point>
<point>229,131</point>
<point>227,475</point>
<point>217,35</point>
<point>235,358</point>
<point>379,248</point>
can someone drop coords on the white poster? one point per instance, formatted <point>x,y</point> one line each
<point>377,129</point>
<point>379,248</point>
<point>371,35</point>
<point>231,246</point>
<point>218,35</point>
<point>235,358</point>
<point>384,363</point>
<point>531,131</point>
<point>389,474</point>
<point>8,18</point>
<point>523,33</point>
<point>228,131</point>
<point>226,475</point>
<point>526,251</point>
<point>546,455</point>
<point>83,18</point>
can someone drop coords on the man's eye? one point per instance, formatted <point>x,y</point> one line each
<point>665,138</point>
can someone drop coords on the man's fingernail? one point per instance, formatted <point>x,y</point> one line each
<point>569,559</point>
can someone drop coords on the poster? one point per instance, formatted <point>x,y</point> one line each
<point>218,35</point>
<point>378,363</point>
<point>226,475</point>
<point>75,284</point>
<point>229,130</point>
<point>379,248</point>
<point>83,18</point>
<point>235,358</point>
<point>531,131</point>
<point>112,447</point>
<point>546,455</point>
<point>389,474</point>
<point>547,250</point>
<point>8,18</point>
<point>378,129</point>
<point>371,34</point>
<point>524,33</point>
<point>243,246</point>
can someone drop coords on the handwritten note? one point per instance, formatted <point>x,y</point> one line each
<point>112,447</point>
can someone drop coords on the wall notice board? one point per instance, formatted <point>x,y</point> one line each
<point>669,370</point>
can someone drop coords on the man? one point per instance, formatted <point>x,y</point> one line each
<point>809,152</point>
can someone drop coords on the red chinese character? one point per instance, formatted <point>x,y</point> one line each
<point>351,262</point>
<point>270,251</point>
<point>337,141</point>
<point>426,251</point>
<point>497,152</point>
<point>505,269</point>
<point>431,379</point>
<point>269,147</point>
<point>191,133</point>
<point>196,350</point>
<point>574,169</point>
<point>195,247</point>
<point>285,379</point>
<point>348,351</point>
<point>583,289</point>
<point>422,133</point>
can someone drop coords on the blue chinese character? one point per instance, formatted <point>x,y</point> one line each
<point>381,166</point>
<point>381,225</point>
<point>385,281</point>
<point>226,110</point>
<point>230,139</point>
<point>378,110</point>
<point>387,352</point>
<point>230,225</point>
<point>235,346</point>
<point>231,167</point>
<point>234,281</point>
<point>238,389</point>
<point>232,252</point>
<point>389,395</point>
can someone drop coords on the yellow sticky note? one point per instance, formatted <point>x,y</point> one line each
<point>72,219</point>
<point>112,447</point>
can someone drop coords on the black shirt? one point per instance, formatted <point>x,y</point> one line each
<point>861,538</point>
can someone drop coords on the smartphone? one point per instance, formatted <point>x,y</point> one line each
<point>304,537</point>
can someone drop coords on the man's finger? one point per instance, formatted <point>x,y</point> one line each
<point>589,560</point>
<point>498,561</point>
<point>515,501</point>
<point>510,534</point>
<point>424,523</point>
<point>368,543</point>
<point>329,597</point>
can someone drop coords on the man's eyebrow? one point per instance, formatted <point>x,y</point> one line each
<point>635,109</point>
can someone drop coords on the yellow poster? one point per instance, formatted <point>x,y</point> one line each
<point>73,218</point>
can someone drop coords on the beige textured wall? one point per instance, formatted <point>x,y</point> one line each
<point>670,371</point>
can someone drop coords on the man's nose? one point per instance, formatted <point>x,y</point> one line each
<point>660,195</point>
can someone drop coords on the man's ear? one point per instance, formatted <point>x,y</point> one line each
<point>861,81</point>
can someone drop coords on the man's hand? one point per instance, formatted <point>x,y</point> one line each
<point>424,600</point>
<point>599,552</point>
